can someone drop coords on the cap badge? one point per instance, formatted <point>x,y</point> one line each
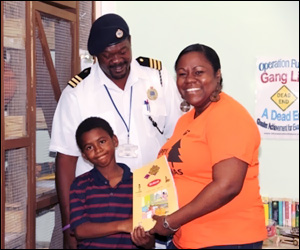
<point>119,33</point>
<point>152,93</point>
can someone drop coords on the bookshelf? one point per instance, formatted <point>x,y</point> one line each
<point>281,218</point>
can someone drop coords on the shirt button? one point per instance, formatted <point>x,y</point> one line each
<point>111,194</point>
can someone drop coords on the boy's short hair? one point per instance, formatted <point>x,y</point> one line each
<point>89,124</point>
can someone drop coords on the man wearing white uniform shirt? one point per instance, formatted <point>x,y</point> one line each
<point>138,98</point>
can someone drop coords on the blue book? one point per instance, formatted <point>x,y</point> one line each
<point>280,220</point>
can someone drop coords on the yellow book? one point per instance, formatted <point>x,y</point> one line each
<point>154,193</point>
<point>265,201</point>
<point>266,209</point>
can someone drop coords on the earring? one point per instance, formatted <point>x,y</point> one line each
<point>215,95</point>
<point>185,106</point>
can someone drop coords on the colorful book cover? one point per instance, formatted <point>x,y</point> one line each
<point>154,193</point>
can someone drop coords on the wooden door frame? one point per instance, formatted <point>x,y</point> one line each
<point>37,8</point>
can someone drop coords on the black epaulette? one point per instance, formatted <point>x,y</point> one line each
<point>149,62</point>
<point>78,78</point>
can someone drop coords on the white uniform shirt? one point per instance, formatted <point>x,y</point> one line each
<point>90,98</point>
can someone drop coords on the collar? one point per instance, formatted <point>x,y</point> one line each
<point>101,179</point>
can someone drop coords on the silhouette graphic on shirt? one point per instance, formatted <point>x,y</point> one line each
<point>174,156</point>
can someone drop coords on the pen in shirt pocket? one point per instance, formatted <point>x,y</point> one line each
<point>146,102</point>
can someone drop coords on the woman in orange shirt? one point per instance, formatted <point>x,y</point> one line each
<point>213,155</point>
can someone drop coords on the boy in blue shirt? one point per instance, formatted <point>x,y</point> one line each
<point>101,199</point>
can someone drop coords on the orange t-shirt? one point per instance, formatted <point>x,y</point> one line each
<point>224,130</point>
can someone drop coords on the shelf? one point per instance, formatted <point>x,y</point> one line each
<point>46,201</point>
<point>268,244</point>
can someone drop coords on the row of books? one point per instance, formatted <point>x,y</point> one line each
<point>282,212</point>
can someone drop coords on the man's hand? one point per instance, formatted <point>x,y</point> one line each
<point>65,174</point>
<point>70,241</point>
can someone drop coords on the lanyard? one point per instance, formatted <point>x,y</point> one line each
<point>111,99</point>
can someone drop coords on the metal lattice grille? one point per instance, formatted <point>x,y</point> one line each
<point>14,69</point>
<point>59,41</point>
<point>16,194</point>
<point>85,23</point>
<point>15,94</point>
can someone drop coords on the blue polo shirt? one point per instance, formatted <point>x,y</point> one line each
<point>92,199</point>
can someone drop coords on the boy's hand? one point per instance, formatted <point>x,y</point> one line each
<point>125,226</point>
<point>142,238</point>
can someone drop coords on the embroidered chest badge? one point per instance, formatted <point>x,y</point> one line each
<point>152,93</point>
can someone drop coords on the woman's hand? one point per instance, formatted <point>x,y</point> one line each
<point>159,228</point>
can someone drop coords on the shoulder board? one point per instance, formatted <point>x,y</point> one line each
<point>149,62</point>
<point>78,78</point>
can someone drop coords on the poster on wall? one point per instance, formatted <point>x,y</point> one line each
<point>277,97</point>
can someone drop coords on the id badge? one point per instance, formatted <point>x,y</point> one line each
<point>128,150</point>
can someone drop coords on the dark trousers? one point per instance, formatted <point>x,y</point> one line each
<point>256,245</point>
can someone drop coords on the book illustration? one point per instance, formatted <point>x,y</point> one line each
<point>155,204</point>
<point>154,193</point>
<point>153,171</point>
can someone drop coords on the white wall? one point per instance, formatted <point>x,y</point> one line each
<point>239,32</point>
